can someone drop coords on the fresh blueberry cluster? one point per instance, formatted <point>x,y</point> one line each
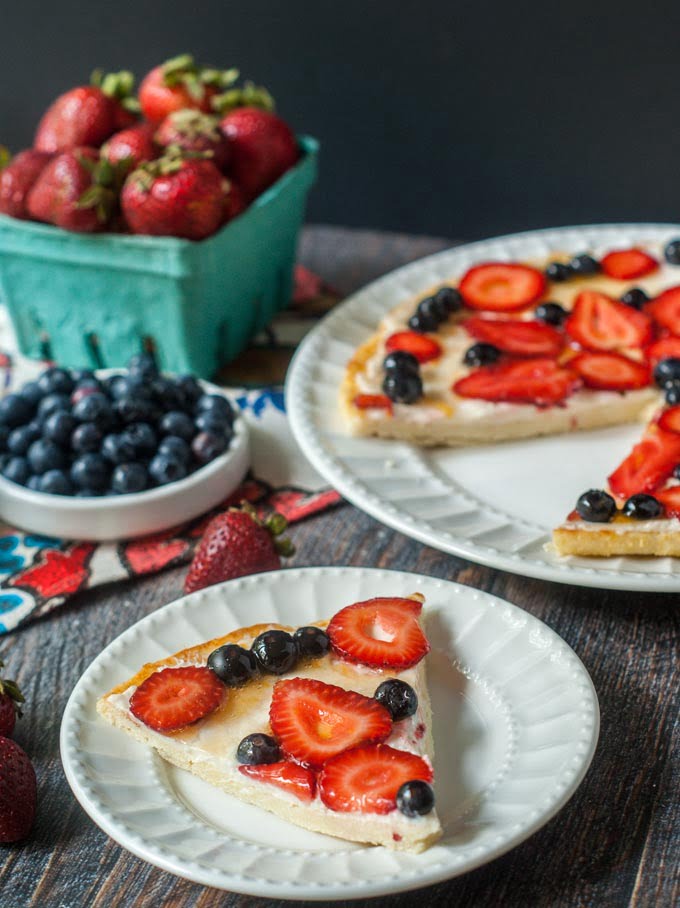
<point>71,433</point>
<point>583,265</point>
<point>433,310</point>
<point>596,506</point>
<point>402,382</point>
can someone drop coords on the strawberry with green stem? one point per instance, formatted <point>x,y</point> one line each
<point>17,177</point>
<point>11,699</point>
<point>179,84</point>
<point>193,130</point>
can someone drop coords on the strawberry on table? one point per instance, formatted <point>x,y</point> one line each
<point>382,633</point>
<point>236,543</point>
<point>88,114</point>
<point>519,338</point>
<point>176,697</point>
<point>665,310</point>
<point>18,792</point>
<point>539,381</point>
<point>598,322</point>
<point>421,346</point>
<point>367,779</point>
<point>192,130</point>
<point>314,721</point>
<point>628,264</point>
<point>610,371</point>
<point>291,777</point>
<point>17,179</point>
<point>179,84</point>
<point>135,145</point>
<point>648,465</point>
<point>502,286</point>
<point>11,699</point>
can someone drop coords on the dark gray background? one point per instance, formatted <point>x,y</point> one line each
<point>449,117</point>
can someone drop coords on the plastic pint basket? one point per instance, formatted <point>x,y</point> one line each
<point>94,300</point>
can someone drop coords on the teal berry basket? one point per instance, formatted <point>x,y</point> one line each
<point>94,300</point>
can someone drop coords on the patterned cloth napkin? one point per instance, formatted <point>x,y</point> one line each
<point>39,574</point>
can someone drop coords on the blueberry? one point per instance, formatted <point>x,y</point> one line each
<point>415,798</point>
<point>596,506</point>
<point>175,447</point>
<point>275,651</point>
<point>34,483</point>
<point>431,308</point>
<point>551,313</point>
<point>177,423</point>
<point>401,361</point>
<point>450,298</point>
<point>51,404</point>
<point>86,438</point>
<point>584,265</point>
<point>398,698</point>
<point>17,470</point>
<point>403,387</point>
<point>676,472</point>
<point>188,390</point>
<point>144,365</point>
<point>135,409</point>
<point>233,664</point>
<point>672,252</point>
<point>481,355</point>
<point>21,438</point>
<point>59,427</point>
<point>83,375</point>
<point>422,323</point>
<point>635,297</point>
<point>215,404</point>
<point>129,478</point>
<point>258,748</point>
<point>83,391</point>
<point>117,386</point>
<point>207,447</point>
<point>44,455</point>
<point>164,469</point>
<point>90,471</point>
<point>558,272</point>
<point>135,385</point>
<point>213,423</point>
<point>643,507</point>
<point>15,410</point>
<point>118,449</point>
<point>95,408</point>
<point>55,381</point>
<point>666,371</point>
<point>671,392</point>
<point>55,482</point>
<point>5,432</point>
<point>312,641</point>
<point>165,392</point>
<point>31,391</point>
<point>142,437</point>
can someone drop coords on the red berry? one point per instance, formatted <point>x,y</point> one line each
<point>262,148</point>
<point>598,322</point>
<point>419,345</point>
<point>648,465</point>
<point>533,381</point>
<point>18,792</point>
<point>610,371</point>
<point>369,401</point>
<point>17,179</point>
<point>176,84</point>
<point>669,420</point>
<point>175,697</point>
<point>290,777</point>
<point>380,632</point>
<point>502,287</point>
<point>670,499</point>
<point>666,348</point>
<point>135,145</point>
<point>58,193</point>
<point>627,264</point>
<point>519,338</point>
<point>194,131</point>
<point>665,310</point>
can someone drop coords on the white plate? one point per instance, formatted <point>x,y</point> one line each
<point>515,726</point>
<point>494,504</point>
<point>110,517</point>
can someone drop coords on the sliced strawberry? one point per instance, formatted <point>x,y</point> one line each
<point>367,779</point>
<point>502,286</point>
<point>369,401</point>
<point>291,777</point>
<point>669,420</point>
<point>648,465</point>
<point>665,310</point>
<point>598,322</point>
<point>666,348</point>
<point>381,633</point>
<point>532,381</point>
<point>314,721</point>
<point>670,499</point>
<point>610,371</point>
<point>515,337</point>
<point>174,697</point>
<point>626,264</point>
<point>423,348</point>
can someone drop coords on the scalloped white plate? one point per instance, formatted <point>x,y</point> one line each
<point>515,724</point>
<point>494,504</point>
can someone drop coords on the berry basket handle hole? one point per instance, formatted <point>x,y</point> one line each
<point>95,351</point>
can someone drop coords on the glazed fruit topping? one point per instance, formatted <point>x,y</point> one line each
<point>312,641</point>
<point>519,338</point>
<point>672,252</point>
<point>635,297</point>
<point>416,798</point>
<point>314,721</point>
<point>628,264</point>
<point>423,348</point>
<point>670,499</point>
<point>403,387</point>
<point>233,664</point>
<point>596,506</point>
<point>643,507</point>
<point>368,779</point>
<point>290,777</point>
<point>258,748</point>
<point>665,310</point>
<point>276,651</point>
<point>666,371</point>
<point>666,348</point>
<point>669,420</point>
<point>380,633</point>
<point>649,464</point>
<point>502,287</point>
<point>598,322</point>
<point>372,401</point>
<point>610,371</point>
<point>584,265</point>
<point>398,697</point>
<point>173,698</point>
<point>535,381</point>
<point>558,272</point>
<point>551,313</point>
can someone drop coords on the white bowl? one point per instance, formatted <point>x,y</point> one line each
<point>112,517</point>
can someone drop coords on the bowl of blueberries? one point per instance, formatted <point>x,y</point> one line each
<point>115,454</point>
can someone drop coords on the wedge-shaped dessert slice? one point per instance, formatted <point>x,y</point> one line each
<point>327,726</point>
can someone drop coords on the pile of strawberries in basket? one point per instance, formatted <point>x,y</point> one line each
<point>184,157</point>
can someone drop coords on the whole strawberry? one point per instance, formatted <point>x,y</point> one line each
<point>11,699</point>
<point>236,543</point>
<point>134,145</point>
<point>76,191</point>
<point>178,84</point>
<point>17,792</point>
<point>88,114</point>
<point>174,196</point>
<point>234,202</point>
<point>17,179</point>
<point>192,130</point>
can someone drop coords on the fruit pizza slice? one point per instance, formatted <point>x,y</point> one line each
<point>327,726</point>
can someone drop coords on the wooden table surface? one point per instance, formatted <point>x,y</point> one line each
<point>615,843</point>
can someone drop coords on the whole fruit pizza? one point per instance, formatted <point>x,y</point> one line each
<point>519,349</point>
